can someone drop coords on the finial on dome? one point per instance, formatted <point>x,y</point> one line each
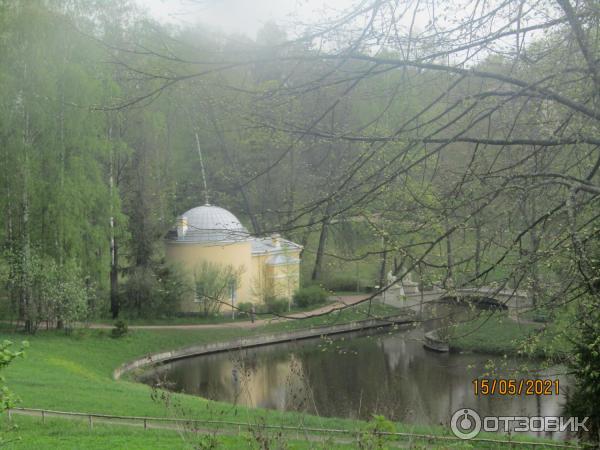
<point>206,202</point>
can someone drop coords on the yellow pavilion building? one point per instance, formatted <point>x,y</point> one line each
<point>268,265</point>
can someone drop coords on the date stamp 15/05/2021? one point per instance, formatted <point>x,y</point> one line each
<point>466,423</point>
<point>512,387</point>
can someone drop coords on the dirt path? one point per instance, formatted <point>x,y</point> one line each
<point>339,302</point>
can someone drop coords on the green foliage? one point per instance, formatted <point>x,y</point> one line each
<point>70,297</point>
<point>338,284</point>
<point>7,355</point>
<point>53,293</point>
<point>276,305</point>
<point>261,437</point>
<point>374,437</point>
<point>245,307</point>
<point>310,296</point>
<point>585,366</point>
<point>154,291</point>
<point>138,297</point>
<point>120,329</point>
<point>172,287</point>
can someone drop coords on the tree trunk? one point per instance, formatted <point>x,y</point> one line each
<point>477,247</point>
<point>114,273</point>
<point>114,249</point>
<point>318,268</point>
<point>25,300</point>
<point>382,267</point>
<point>449,255</point>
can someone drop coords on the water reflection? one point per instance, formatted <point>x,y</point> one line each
<point>354,377</point>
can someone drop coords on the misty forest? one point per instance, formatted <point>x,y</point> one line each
<point>442,146</point>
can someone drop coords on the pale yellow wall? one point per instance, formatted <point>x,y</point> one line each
<point>282,280</point>
<point>259,277</point>
<point>190,255</point>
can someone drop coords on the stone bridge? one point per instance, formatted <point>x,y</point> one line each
<point>513,300</point>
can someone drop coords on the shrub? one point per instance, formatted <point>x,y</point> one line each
<point>376,434</point>
<point>310,296</point>
<point>276,305</point>
<point>7,354</point>
<point>120,329</point>
<point>172,286</point>
<point>245,308</point>
<point>138,297</point>
<point>347,284</point>
<point>154,291</point>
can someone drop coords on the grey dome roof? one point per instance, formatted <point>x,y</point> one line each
<point>209,224</point>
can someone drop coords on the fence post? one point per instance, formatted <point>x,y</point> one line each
<point>91,422</point>
<point>9,411</point>
<point>145,424</point>
<point>43,416</point>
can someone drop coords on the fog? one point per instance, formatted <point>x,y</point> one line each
<point>242,16</point>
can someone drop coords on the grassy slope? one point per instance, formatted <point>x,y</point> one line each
<point>76,435</point>
<point>73,373</point>
<point>502,335</point>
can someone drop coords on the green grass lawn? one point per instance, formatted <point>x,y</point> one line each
<point>499,334</point>
<point>76,435</point>
<point>74,373</point>
<point>32,434</point>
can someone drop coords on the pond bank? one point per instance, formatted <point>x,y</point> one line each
<point>257,341</point>
<point>500,334</point>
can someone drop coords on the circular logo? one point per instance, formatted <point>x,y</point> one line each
<point>465,423</point>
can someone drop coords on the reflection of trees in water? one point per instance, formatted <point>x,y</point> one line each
<point>352,377</point>
<point>244,367</point>
<point>345,383</point>
<point>299,393</point>
<point>257,379</point>
<point>390,375</point>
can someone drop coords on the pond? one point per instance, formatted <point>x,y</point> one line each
<point>355,376</point>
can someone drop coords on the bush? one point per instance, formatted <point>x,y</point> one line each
<point>152,292</point>
<point>347,284</point>
<point>245,308</point>
<point>7,354</point>
<point>138,296</point>
<point>172,286</point>
<point>120,329</point>
<point>276,305</point>
<point>310,296</point>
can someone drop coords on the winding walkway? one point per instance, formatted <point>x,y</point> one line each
<point>339,302</point>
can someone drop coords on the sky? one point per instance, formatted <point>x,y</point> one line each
<point>240,16</point>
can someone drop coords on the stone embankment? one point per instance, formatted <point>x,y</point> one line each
<point>260,340</point>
